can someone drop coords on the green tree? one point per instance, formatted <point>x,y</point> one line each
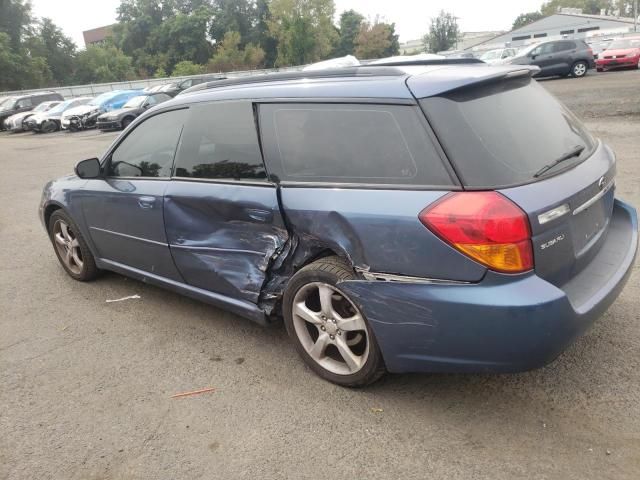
<point>233,16</point>
<point>15,21</point>
<point>443,33</point>
<point>52,45</point>
<point>304,30</point>
<point>98,64</point>
<point>377,40</point>
<point>525,19</point>
<point>262,36</point>
<point>160,73</point>
<point>592,7</point>
<point>230,56</point>
<point>160,33</point>
<point>350,23</point>
<point>185,68</point>
<point>32,53</point>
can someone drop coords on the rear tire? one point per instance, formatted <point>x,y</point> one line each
<point>70,247</point>
<point>579,69</point>
<point>329,331</point>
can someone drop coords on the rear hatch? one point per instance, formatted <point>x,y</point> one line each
<point>512,136</point>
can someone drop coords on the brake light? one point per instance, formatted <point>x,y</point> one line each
<point>485,226</point>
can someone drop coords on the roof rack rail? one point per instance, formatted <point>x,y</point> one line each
<point>435,61</point>
<point>356,71</point>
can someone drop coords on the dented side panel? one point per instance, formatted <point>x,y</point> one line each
<point>376,230</point>
<point>223,237</point>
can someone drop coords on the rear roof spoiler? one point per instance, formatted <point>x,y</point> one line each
<point>439,81</point>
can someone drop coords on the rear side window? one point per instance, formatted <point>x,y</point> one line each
<point>564,46</point>
<point>372,144</point>
<point>503,133</point>
<point>220,142</point>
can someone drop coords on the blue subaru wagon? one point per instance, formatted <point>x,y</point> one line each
<point>405,218</point>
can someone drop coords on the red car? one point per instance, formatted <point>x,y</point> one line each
<point>624,52</point>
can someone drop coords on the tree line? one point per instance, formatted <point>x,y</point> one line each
<point>185,37</point>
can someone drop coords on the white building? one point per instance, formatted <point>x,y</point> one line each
<point>560,25</point>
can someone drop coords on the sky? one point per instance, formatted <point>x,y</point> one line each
<point>410,16</point>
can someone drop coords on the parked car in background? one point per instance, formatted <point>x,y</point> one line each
<point>621,53</point>
<point>599,46</point>
<point>47,122</point>
<point>292,195</point>
<point>558,57</point>
<point>85,116</point>
<point>173,89</point>
<point>122,117</point>
<point>17,122</point>
<point>23,103</point>
<point>494,56</point>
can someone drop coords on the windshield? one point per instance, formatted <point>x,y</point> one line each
<point>100,99</point>
<point>42,107</point>
<point>504,133</point>
<point>524,50</point>
<point>60,107</point>
<point>135,102</point>
<point>624,43</point>
<point>6,101</point>
<point>490,55</point>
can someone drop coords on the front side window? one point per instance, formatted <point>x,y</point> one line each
<point>148,150</point>
<point>24,103</point>
<point>366,144</point>
<point>220,142</point>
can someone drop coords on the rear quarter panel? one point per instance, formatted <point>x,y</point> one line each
<point>376,230</point>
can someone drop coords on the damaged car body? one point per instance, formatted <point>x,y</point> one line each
<point>345,202</point>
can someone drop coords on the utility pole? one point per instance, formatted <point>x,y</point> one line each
<point>635,15</point>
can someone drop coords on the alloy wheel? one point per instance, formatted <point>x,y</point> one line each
<point>68,247</point>
<point>330,328</point>
<point>579,69</point>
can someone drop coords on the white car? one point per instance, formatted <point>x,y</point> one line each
<point>498,55</point>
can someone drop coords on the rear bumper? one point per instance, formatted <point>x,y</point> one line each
<point>504,323</point>
<point>108,125</point>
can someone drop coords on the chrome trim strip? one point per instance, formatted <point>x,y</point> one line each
<point>217,249</point>
<point>389,277</point>
<point>131,237</point>
<point>594,199</point>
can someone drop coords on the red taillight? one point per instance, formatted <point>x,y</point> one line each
<point>486,226</point>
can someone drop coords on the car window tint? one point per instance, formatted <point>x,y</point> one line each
<point>374,144</point>
<point>503,133</point>
<point>220,142</point>
<point>148,150</point>
<point>24,103</point>
<point>545,49</point>
<point>564,46</point>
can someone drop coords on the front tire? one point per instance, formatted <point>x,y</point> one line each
<point>328,329</point>
<point>579,69</point>
<point>70,247</point>
<point>126,121</point>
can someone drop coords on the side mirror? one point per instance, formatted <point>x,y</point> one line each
<point>89,168</point>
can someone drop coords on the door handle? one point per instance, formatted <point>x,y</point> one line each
<point>146,202</point>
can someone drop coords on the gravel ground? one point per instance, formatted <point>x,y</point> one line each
<point>85,385</point>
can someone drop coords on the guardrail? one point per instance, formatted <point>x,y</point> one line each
<point>94,89</point>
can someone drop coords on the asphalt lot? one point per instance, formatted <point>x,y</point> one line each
<point>85,385</point>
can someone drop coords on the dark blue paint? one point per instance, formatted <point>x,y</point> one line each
<point>504,323</point>
<point>377,230</point>
<point>236,245</point>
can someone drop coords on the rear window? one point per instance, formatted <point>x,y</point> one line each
<point>503,133</point>
<point>340,143</point>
